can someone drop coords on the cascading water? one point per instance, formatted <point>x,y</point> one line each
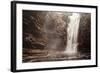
<point>72,34</point>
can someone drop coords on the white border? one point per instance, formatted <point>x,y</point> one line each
<point>70,63</point>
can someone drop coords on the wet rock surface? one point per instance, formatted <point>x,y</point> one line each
<point>45,55</point>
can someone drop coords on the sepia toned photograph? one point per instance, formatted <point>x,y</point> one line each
<point>48,36</point>
<point>56,36</point>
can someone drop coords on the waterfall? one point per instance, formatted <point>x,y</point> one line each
<point>72,34</point>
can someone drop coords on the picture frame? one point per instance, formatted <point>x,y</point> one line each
<point>40,33</point>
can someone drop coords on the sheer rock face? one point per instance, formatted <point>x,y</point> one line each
<point>84,37</point>
<point>33,36</point>
<point>44,30</point>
